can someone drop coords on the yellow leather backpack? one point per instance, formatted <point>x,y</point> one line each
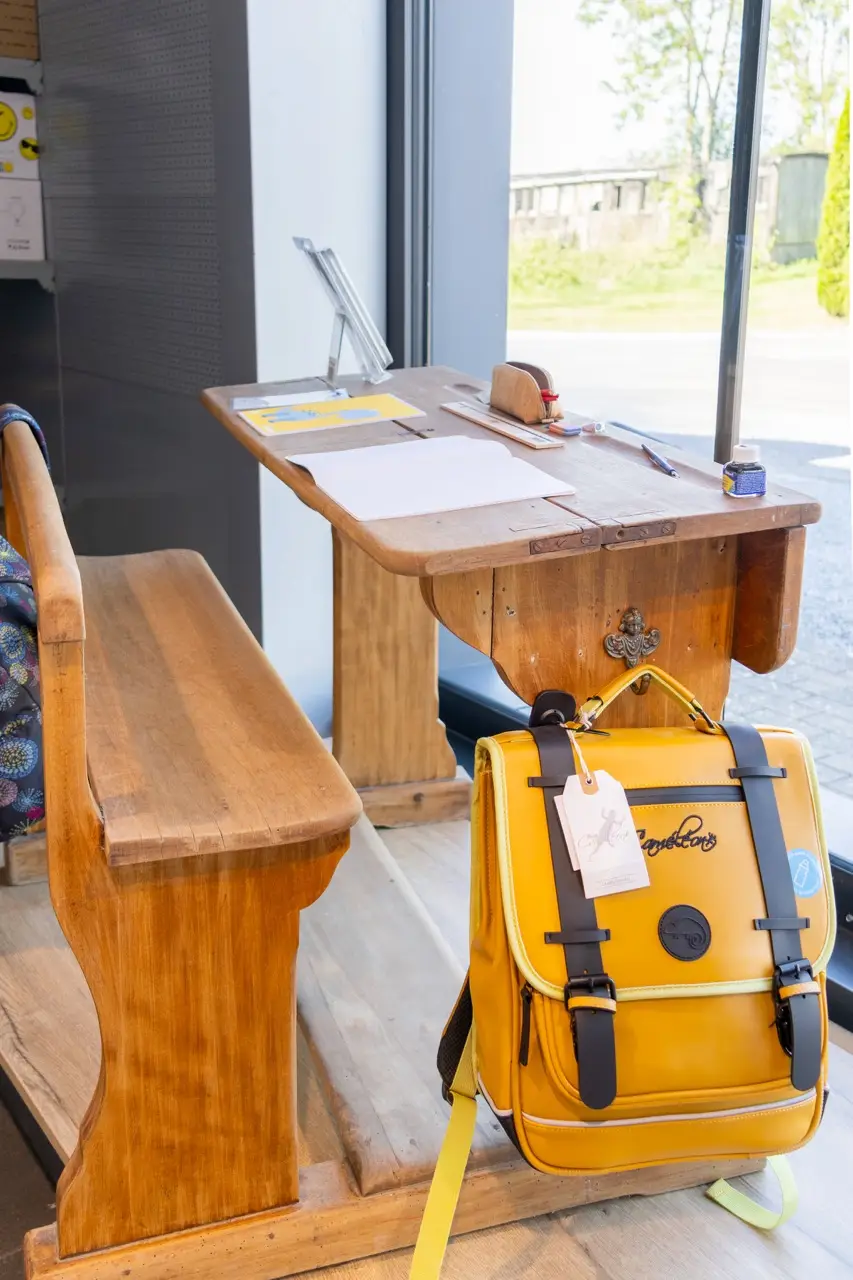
<point>683,1021</point>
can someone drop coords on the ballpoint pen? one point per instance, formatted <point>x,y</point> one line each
<point>659,461</point>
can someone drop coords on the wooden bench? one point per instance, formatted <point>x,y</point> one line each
<point>193,813</point>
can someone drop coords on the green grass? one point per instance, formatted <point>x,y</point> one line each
<point>554,286</point>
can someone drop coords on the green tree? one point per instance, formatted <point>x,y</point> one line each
<point>684,53</point>
<point>833,241</point>
<point>807,68</point>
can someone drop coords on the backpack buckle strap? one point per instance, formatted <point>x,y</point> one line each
<point>758,771</point>
<point>789,975</point>
<point>576,937</point>
<point>590,984</point>
<point>798,1020</point>
<point>590,1001</point>
<point>593,1025</point>
<point>799,1008</point>
<point>784,922</point>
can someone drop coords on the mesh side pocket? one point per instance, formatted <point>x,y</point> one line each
<point>453,1038</point>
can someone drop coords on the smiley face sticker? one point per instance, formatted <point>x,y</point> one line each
<point>8,122</point>
<point>29,148</point>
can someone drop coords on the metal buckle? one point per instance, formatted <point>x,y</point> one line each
<point>790,972</point>
<point>699,715</point>
<point>786,974</point>
<point>587,986</point>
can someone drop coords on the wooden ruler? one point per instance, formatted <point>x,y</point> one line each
<point>515,431</point>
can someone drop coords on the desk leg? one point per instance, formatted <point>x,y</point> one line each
<point>386,732</point>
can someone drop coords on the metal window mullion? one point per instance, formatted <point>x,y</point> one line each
<point>747,142</point>
<point>409,107</point>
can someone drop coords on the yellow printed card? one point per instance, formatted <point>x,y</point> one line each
<point>319,414</point>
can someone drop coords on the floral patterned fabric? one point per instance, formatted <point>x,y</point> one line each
<point>21,762</point>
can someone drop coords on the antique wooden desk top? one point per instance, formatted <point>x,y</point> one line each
<point>621,497</point>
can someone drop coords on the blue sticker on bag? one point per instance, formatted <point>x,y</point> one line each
<point>805,872</point>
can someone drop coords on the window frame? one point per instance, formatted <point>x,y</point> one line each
<point>448,240</point>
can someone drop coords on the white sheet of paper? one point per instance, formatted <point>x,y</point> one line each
<point>600,828</point>
<point>294,397</point>
<point>421,477</point>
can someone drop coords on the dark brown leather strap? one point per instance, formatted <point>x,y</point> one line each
<point>798,1018</point>
<point>593,1030</point>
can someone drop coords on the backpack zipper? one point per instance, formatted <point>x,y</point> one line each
<point>524,1044</point>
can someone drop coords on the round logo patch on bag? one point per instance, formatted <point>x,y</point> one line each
<point>684,932</point>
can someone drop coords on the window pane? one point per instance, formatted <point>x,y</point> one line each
<point>616,285</point>
<point>618,292</point>
<point>796,386</point>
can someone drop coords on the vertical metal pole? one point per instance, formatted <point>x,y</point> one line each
<point>409,149</point>
<point>339,325</point>
<point>747,143</point>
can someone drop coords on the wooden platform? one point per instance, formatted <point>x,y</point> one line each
<point>375,1101</point>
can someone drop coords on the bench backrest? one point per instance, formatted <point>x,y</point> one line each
<point>35,527</point>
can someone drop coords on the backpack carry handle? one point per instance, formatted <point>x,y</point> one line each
<point>593,707</point>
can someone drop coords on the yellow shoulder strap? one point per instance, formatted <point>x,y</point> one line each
<point>748,1210</point>
<point>449,1171</point>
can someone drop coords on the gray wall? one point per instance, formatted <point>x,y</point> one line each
<point>147,183</point>
<point>317,76</point>
<point>469,204</point>
<point>471,127</point>
<point>29,370</point>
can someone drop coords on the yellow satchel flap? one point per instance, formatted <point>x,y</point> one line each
<point>694,829</point>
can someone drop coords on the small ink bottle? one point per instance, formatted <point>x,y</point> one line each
<point>744,476</point>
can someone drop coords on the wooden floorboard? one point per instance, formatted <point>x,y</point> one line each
<point>49,1039</point>
<point>436,861</point>
<point>49,1048</point>
<point>376,983</point>
<point>677,1236</point>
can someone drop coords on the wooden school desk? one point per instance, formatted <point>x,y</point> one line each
<point>560,594</point>
<point>201,1134</point>
<point>538,586</point>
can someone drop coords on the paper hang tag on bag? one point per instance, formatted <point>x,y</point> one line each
<point>600,835</point>
<point>567,833</point>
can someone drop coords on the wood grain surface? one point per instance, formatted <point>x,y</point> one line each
<point>36,529</point>
<point>194,744</point>
<point>385,705</point>
<point>374,1019</point>
<point>549,621</point>
<point>24,859</point>
<point>190,960</point>
<point>50,1047</point>
<point>674,1234</point>
<point>619,495</point>
<point>332,1224</point>
<point>767,610</point>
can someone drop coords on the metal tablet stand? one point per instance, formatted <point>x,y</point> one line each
<point>350,315</point>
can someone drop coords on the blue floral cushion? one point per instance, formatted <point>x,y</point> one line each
<point>21,758</point>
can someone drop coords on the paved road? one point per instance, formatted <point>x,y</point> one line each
<point>796,402</point>
<point>796,385</point>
